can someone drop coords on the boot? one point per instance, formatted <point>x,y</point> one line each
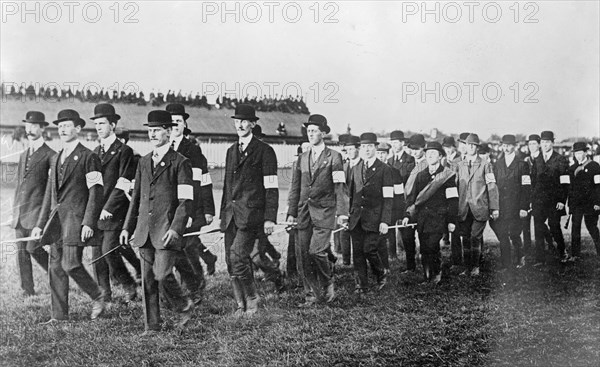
<point>238,294</point>
<point>250,296</point>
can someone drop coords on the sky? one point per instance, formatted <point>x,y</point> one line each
<point>488,67</point>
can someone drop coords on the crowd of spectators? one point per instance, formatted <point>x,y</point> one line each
<point>158,99</point>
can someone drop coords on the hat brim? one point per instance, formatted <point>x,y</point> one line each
<point>442,152</point>
<point>327,128</point>
<point>43,123</point>
<point>75,121</point>
<point>509,142</point>
<point>241,117</point>
<point>159,124</point>
<point>472,142</point>
<point>369,142</point>
<point>108,116</point>
<point>185,115</point>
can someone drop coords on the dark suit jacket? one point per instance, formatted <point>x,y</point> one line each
<point>203,196</point>
<point>404,166</point>
<point>250,190</point>
<point>318,191</point>
<point>549,182</point>
<point>31,186</point>
<point>441,208</point>
<point>585,187</point>
<point>162,199</point>
<point>74,202</point>
<point>371,200</point>
<point>118,170</point>
<point>514,186</point>
<point>400,172</point>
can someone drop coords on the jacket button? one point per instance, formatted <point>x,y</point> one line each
<point>150,213</point>
<point>233,201</point>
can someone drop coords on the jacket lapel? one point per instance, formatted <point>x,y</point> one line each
<point>321,163</point>
<point>248,152</point>
<point>71,162</point>
<point>111,152</point>
<point>373,170</point>
<point>163,164</point>
<point>474,167</point>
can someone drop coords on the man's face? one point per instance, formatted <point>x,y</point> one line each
<point>33,131</point>
<point>417,153</point>
<point>533,146</point>
<point>462,148</point>
<point>449,150</point>
<point>68,131</point>
<point>352,151</point>
<point>243,127</point>
<point>433,157</point>
<point>179,122</point>
<point>369,150</point>
<point>315,135</point>
<point>397,146</point>
<point>382,155</point>
<point>159,136</point>
<point>547,145</point>
<point>580,156</point>
<point>508,148</point>
<point>472,149</point>
<point>103,127</point>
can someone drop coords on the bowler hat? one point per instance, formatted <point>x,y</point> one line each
<point>580,146</point>
<point>462,137</point>
<point>434,145</point>
<point>177,109</point>
<point>368,138</point>
<point>484,148</point>
<point>535,137</point>
<point>547,135</point>
<point>397,135</point>
<point>352,140</point>
<point>472,139</point>
<point>69,115</point>
<point>159,118</point>
<point>416,141</point>
<point>509,139</point>
<point>245,112</point>
<point>383,147</point>
<point>186,131</point>
<point>105,110</point>
<point>35,117</point>
<point>320,121</point>
<point>257,131</point>
<point>449,142</point>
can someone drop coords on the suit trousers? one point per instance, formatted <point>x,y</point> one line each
<point>540,216</point>
<point>410,247</point>
<point>508,230</point>
<point>269,267</point>
<point>472,229</point>
<point>158,277</point>
<point>343,245</point>
<point>431,256</point>
<point>205,253</point>
<point>365,249</point>
<point>291,267</point>
<point>392,242</point>
<point>26,251</point>
<point>382,250</point>
<point>112,266</point>
<point>591,223</point>
<point>131,257</point>
<point>526,222</point>
<point>189,267</point>
<point>239,244</point>
<point>65,262</point>
<point>312,259</point>
<point>457,248</point>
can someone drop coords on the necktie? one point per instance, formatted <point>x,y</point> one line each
<point>154,159</point>
<point>102,151</point>
<point>173,145</point>
<point>470,165</point>
<point>29,153</point>
<point>241,147</point>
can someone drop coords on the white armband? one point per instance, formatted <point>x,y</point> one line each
<point>451,192</point>
<point>388,191</point>
<point>565,179</point>
<point>271,182</point>
<point>490,178</point>
<point>185,192</point>
<point>93,178</point>
<point>597,179</point>
<point>339,177</point>
<point>206,180</point>
<point>196,174</point>
<point>399,189</point>
<point>123,184</point>
<point>525,180</point>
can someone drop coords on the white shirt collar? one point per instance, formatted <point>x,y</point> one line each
<point>471,158</point>
<point>535,154</point>
<point>369,162</point>
<point>245,141</point>
<point>159,153</point>
<point>107,142</point>
<point>451,156</point>
<point>317,149</point>
<point>509,158</point>
<point>419,160</point>
<point>69,147</point>
<point>354,162</point>
<point>177,141</point>
<point>36,144</point>
<point>435,168</point>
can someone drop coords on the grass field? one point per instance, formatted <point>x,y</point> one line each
<point>531,317</point>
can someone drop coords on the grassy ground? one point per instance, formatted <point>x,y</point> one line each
<point>531,317</point>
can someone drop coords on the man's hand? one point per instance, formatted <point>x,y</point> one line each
<point>495,214</point>
<point>208,218</point>
<point>269,226</point>
<point>105,215</point>
<point>405,221</point>
<point>342,220</point>
<point>169,237</point>
<point>560,206</point>
<point>36,232</point>
<point>596,207</point>
<point>189,222</point>
<point>383,228</point>
<point>451,227</point>
<point>86,233</point>
<point>124,237</point>
<point>523,214</point>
